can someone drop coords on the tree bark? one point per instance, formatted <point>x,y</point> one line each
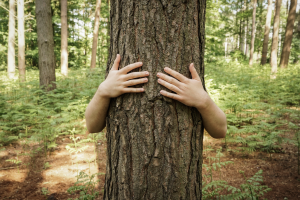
<point>267,32</point>
<point>21,42</point>
<point>154,144</point>
<point>45,44</point>
<point>275,38</point>
<point>11,62</point>
<point>286,49</point>
<point>64,37</point>
<point>252,33</point>
<point>95,34</point>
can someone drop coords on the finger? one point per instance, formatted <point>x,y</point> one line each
<point>116,63</point>
<point>135,82</point>
<point>194,72</point>
<point>133,90</point>
<point>169,86</point>
<point>130,67</point>
<point>135,75</point>
<point>169,79</point>
<point>175,74</point>
<point>170,95</point>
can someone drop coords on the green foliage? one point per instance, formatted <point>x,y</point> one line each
<point>28,112</point>
<point>80,28</point>
<point>256,107</point>
<point>86,185</point>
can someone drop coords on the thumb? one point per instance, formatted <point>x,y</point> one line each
<point>116,63</point>
<point>194,72</point>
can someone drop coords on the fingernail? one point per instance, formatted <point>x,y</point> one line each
<point>142,89</point>
<point>158,74</point>
<point>140,63</point>
<point>192,64</point>
<point>158,80</point>
<point>145,80</point>
<point>166,68</point>
<point>147,73</point>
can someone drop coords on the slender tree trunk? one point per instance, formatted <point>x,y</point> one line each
<point>252,33</point>
<point>247,45</point>
<point>288,35</point>
<point>45,44</point>
<point>11,61</point>
<point>267,32</point>
<point>21,42</point>
<point>64,37</point>
<point>95,33</point>
<point>275,38</point>
<point>154,144</point>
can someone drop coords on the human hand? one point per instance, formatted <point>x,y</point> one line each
<point>118,81</point>
<point>188,91</point>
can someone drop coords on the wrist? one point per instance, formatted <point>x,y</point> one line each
<point>101,92</point>
<point>204,103</point>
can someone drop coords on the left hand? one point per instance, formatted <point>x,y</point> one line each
<point>188,91</point>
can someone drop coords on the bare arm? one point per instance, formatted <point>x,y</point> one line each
<point>95,113</point>
<point>191,93</point>
<point>116,84</point>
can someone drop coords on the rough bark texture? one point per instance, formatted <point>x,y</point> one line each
<point>154,144</point>
<point>286,49</point>
<point>45,44</point>
<point>275,38</point>
<point>21,42</point>
<point>64,37</point>
<point>252,33</point>
<point>267,32</point>
<point>95,33</point>
<point>11,62</point>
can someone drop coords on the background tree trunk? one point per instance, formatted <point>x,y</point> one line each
<point>154,144</point>
<point>267,32</point>
<point>275,38</point>
<point>95,34</point>
<point>64,37</point>
<point>45,44</point>
<point>243,28</point>
<point>21,42</point>
<point>252,33</point>
<point>11,62</point>
<point>286,49</point>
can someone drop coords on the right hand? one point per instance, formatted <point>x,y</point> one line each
<point>118,81</point>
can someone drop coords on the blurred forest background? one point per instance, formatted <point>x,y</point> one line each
<point>228,31</point>
<point>252,62</point>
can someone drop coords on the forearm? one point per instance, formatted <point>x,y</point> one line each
<point>214,119</point>
<point>95,113</point>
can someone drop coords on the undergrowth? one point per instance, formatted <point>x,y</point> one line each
<point>259,110</point>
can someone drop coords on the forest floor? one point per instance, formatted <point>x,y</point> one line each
<point>279,171</point>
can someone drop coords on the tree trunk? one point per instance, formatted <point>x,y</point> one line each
<point>21,42</point>
<point>267,32</point>
<point>247,30</point>
<point>45,44</point>
<point>288,35</point>
<point>95,34</point>
<point>154,144</point>
<point>252,33</point>
<point>64,37</point>
<point>11,62</point>
<point>275,38</point>
<point>108,27</point>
